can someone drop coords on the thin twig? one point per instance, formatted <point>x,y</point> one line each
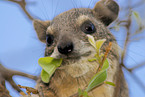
<point>105,56</point>
<point>138,66</point>
<point>22,4</point>
<point>139,82</point>
<point>7,74</point>
<point>127,38</point>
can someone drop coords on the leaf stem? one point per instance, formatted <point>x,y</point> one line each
<point>105,56</point>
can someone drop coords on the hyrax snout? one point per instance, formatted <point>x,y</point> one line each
<point>66,35</point>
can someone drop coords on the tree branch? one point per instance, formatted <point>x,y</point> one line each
<point>138,81</point>
<point>22,4</point>
<point>6,75</point>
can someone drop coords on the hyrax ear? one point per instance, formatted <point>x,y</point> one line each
<point>106,11</point>
<point>40,28</point>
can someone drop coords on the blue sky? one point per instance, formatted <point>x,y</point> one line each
<point>21,49</point>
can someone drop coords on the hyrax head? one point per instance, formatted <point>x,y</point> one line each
<point>66,35</point>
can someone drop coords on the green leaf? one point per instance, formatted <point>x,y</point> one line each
<point>101,55</point>
<point>85,94</point>
<point>91,40</point>
<point>49,66</point>
<point>99,44</point>
<point>45,76</point>
<point>105,65</point>
<point>79,92</point>
<point>49,63</point>
<point>43,62</point>
<point>99,78</point>
<point>91,60</point>
<point>82,93</point>
<point>137,17</point>
<point>109,83</point>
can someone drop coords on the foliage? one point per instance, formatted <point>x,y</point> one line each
<point>82,93</point>
<point>137,17</point>
<point>101,75</point>
<point>99,78</point>
<point>49,66</point>
<point>109,83</point>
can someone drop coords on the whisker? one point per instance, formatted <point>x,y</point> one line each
<point>129,56</point>
<point>52,7</point>
<point>44,8</point>
<point>89,4</point>
<point>75,6</point>
<point>132,51</point>
<point>44,15</point>
<point>80,3</point>
<point>38,50</point>
<point>56,8</point>
<point>37,68</point>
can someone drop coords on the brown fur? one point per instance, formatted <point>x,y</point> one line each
<point>75,71</point>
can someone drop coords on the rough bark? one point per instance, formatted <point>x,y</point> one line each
<point>3,91</point>
<point>6,75</point>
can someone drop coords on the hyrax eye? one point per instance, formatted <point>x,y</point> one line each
<point>49,39</point>
<point>88,27</point>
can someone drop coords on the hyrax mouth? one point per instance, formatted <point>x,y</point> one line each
<point>72,56</point>
<point>77,67</point>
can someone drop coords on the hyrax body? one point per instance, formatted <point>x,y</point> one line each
<point>66,37</point>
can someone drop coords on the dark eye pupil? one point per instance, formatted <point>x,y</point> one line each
<point>49,40</point>
<point>88,27</point>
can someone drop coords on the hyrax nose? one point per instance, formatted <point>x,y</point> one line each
<point>65,48</point>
